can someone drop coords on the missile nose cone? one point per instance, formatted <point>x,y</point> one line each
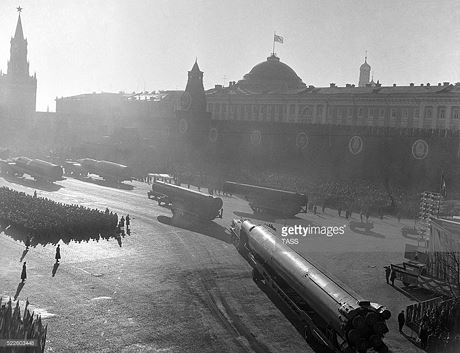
<point>371,319</point>
<point>359,322</point>
<point>354,336</point>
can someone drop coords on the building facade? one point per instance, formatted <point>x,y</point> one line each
<point>18,91</point>
<point>272,92</point>
<point>406,135</point>
<point>271,117</point>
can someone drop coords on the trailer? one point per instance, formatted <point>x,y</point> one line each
<point>186,203</point>
<point>39,170</point>
<point>268,200</point>
<point>109,171</point>
<point>329,312</point>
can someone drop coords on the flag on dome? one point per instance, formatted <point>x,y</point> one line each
<point>278,39</point>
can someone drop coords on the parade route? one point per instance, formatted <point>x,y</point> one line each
<point>168,289</point>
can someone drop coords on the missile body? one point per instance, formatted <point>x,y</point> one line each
<point>36,168</point>
<point>356,322</point>
<point>269,200</point>
<point>107,170</point>
<point>189,202</point>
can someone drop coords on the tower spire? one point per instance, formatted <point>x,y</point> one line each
<point>195,67</point>
<point>19,34</point>
<point>364,73</point>
<point>20,87</point>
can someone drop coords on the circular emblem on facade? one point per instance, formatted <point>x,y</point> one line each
<point>185,101</point>
<point>255,137</point>
<point>183,126</point>
<point>301,140</point>
<point>213,134</point>
<point>420,149</point>
<point>355,145</point>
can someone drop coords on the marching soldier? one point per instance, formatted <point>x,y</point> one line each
<point>401,321</point>
<point>58,253</point>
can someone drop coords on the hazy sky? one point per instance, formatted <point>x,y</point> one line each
<point>81,46</point>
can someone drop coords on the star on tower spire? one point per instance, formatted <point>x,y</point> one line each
<point>19,33</point>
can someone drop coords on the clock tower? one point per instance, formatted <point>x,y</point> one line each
<point>18,89</point>
<point>192,118</point>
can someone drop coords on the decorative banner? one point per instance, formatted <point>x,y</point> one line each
<point>301,140</point>
<point>213,134</point>
<point>420,149</point>
<point>255,137</point>
<point>355,145</point>
<point>183,126</point>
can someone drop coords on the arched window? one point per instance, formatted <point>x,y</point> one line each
<point>306,113</point>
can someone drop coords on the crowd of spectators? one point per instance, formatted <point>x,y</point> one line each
<point>47,221</point>
<point>29,326</point>
<point>356,195</point>
<point>438,325</point>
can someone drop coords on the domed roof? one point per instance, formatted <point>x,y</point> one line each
<point>271,75</point>
<point>365,65</point>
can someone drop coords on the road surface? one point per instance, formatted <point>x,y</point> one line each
<point>168,289</point>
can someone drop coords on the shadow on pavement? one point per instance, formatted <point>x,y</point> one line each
<point>55,268</point>
<point>210,229</point>
<point>24,253</point>
<point>19,289</point>
<point>50,187</point>
<point>54,239</point>
<point>119,239</point>
<point>314,345</point>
